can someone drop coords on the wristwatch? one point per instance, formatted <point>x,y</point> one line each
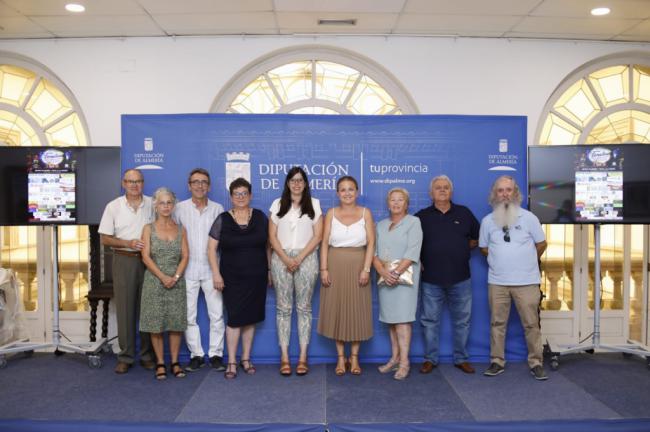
<point>366,269</point>
<point>177,276</point>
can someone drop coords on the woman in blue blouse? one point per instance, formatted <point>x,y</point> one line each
<point>399,239</point>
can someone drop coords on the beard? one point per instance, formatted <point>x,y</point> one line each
<point>505,214</point>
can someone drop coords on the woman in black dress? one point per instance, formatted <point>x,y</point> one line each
<point>240,271</point>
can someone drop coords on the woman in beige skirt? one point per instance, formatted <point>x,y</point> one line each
<point>346,254</point>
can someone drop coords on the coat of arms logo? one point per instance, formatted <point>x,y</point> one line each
<point>237,165</point>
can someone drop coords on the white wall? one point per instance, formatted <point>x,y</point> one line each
<point>111,77</point>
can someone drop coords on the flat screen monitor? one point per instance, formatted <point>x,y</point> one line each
<point>51,187</point>
<point>57,185</point>
<point>587,184</point>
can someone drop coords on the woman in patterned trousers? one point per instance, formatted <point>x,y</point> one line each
<point>295,231</point>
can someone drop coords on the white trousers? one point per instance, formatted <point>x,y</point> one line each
<point>214,302</point>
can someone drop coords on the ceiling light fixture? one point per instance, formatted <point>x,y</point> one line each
<point>600,11</point>
<point>346,22</point>
<point>74,7</point>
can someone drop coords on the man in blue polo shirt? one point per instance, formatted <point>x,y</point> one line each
<point>512,239</point>
<point>450,232</point>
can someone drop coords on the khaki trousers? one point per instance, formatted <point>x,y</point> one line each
<point>526,298</point>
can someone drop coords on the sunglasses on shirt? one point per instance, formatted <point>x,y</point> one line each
<point>506,234</point>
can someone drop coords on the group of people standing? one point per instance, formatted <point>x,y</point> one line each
<point>165,252</point>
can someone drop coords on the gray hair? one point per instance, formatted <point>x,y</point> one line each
<point>516,194</point>
<point>159,193</point>
<point>441,177</point>
<point>403,191</point>
<point>135,170</point>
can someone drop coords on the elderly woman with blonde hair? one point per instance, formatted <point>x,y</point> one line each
<point>397,262</point>
<point>163,306</point>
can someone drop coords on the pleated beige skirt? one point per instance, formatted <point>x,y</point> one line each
<point>345,307</point>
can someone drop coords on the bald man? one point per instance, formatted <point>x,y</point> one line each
<point>120,229</point>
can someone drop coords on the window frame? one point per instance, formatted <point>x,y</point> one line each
<point>261,65</point>
<point>628,59</point>
<point>42,71</point>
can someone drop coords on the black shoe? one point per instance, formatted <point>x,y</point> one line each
<point>148,364</point>
<point>195,364</point>
<point>538,373</point>
<point>494,370</point>
<point>217,363</point>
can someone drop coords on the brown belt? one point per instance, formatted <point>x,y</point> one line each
<point>123,252</point>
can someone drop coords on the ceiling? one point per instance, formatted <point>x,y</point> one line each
<point>629,20</point>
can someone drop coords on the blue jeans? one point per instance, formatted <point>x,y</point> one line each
<point>459,298</point>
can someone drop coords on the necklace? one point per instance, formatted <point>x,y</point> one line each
<point>239,221</point>
<point>393,223</point>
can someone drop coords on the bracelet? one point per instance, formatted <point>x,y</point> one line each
<point>177,276</point>
<point>323,269</point>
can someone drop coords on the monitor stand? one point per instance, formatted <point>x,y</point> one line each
<point>554,351</point>
<point>91,349</point>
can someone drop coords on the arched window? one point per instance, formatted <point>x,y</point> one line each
<point>314,80</point>
<point>37,109</point>
<point>605,101</point>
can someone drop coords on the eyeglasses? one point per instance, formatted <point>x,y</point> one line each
<point>166,203</point>
<point>240,194</point>
<point>296,181</point>
<point>133,182</point>
<point>506,234</point>
<point>199,182</point>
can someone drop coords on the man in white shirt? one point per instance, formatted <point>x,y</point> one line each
<point>513,240</point>
<point>121,229</point>
<point>197,215</point>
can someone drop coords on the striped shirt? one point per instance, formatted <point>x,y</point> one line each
<point>197,224</point>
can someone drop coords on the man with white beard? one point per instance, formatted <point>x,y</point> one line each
<point>512,239</point>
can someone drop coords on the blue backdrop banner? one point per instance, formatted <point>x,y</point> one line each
<point>381,152</point>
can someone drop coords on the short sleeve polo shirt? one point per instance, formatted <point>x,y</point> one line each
<point>445,246</point>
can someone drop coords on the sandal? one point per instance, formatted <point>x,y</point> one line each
<point>302,368</point>
<point>177,370</point>
<point>250,370</point>
<point>160,375</point>
<point>402,372</point>
<point>340,371</point>
<point>391,366</point>
<point>355,370</point>
<point>228,374</point>
<point>285,368</point>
